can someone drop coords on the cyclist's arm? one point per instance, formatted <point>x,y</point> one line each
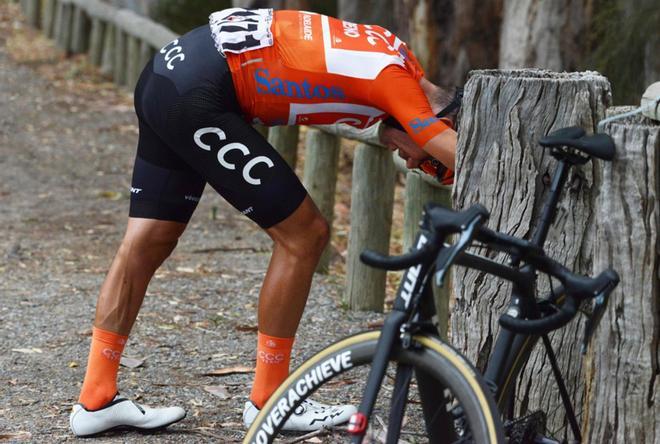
<point>400,95</point>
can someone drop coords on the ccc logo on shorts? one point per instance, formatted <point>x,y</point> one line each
<point>231,147</point>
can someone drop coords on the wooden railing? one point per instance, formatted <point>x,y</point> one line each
<point>121,42</point>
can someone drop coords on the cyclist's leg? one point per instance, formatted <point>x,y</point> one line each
<point>161,205</point>
<point>240,164</point>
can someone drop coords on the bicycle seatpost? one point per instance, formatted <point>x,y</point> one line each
<point>550,205</point>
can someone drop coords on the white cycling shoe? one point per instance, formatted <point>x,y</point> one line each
<point>122,413</point>
<point>308,417</point>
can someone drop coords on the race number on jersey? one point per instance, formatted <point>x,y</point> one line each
<point>238,30</point>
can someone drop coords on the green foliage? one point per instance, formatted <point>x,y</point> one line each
<point>620,32</point>
<point>183,15</point>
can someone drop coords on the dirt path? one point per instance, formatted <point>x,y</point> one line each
<point>66,149</point>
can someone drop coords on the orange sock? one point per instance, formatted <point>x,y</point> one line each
<point>273,356</point>
<point>100,384</point>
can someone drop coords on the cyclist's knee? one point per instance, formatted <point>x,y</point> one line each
<point>149,242</point>
<point>309,241</point>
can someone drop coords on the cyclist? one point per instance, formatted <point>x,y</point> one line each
<point>195,103</point>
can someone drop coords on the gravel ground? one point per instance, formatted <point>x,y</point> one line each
<point>66,149</point>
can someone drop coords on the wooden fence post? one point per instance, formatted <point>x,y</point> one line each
<point>31,10</point>
<point>133,58</point>
<point>96,41</point>
<point>109,48</point>
<point>372,198</point>
<point>417,194</point>
<point>285,141</point>
<point>622,362</point>
<point>81,28</point>
<point>120,62</point>
<point>501,166</point>
<point>320,178</point>
<point>48,17</point>
<point>64,19</point>
<point>146,53</point>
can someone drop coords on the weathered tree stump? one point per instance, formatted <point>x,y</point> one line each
<point>285,140</point>
<point>622,364</point>
<point>320,178</point>
<point>501,166</point>
<point>371,221</point>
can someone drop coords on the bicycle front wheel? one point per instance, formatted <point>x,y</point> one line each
<point>455,405</point>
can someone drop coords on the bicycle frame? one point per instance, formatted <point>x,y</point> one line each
<point>511,350</point>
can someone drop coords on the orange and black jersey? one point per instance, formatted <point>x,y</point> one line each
<point>297,67</point>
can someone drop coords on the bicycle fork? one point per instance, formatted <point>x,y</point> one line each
<point>359,421</point>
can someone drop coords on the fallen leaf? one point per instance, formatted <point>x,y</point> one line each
<point>314,440</point>
<point>232,425</point>
<point>245,327</point>
<point>166,326</point>
<point>129,362</point>
<point>375,324</point>
<point>185,270</point>
<point>218,390</point>
<point>73,364</point>
<point>15,436</point>
<point>229,371</point>
<point>112,195</point>
<point>27,350</point>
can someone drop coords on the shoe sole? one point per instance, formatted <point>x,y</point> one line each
<point>131,428</point>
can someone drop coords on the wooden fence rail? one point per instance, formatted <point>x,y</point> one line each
<point>121,42</point>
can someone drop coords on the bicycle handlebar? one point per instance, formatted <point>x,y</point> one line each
<point>443,222</point>
<point>393,263</point>
<point>603,284</point>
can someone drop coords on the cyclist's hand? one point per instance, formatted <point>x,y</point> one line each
<point>395,139</point>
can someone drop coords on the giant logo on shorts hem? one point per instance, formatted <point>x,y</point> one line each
<point>308,382</point>
<point>222,153</point>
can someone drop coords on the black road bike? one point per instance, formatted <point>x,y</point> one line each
<point>418,388</point>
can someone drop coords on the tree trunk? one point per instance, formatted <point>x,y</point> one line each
<point>544,34</point>
<point>372,12</point>
<point>623,364</point>
<point>450,37</point>
<point>500,165</point>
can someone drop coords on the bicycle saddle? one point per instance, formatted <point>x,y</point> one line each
<point>596,145</point>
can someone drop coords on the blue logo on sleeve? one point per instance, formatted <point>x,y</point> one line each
<point>289,88</point>
<point>418,125</point>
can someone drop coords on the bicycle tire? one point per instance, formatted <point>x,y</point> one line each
<point>554,424</point>
<point>429,355</point>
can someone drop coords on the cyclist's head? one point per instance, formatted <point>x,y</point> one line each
<point>441,97</point>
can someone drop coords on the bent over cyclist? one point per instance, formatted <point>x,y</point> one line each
<point>195,103</point>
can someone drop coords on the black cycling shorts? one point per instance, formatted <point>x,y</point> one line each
<point>191,133</point>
